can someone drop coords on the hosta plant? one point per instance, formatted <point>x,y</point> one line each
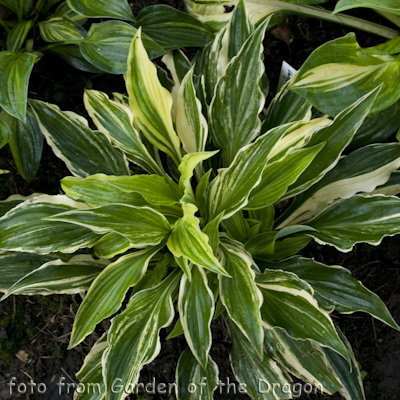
<point>170,216</point>
<point>30,30</point>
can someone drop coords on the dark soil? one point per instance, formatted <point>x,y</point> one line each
<point>34,331</point>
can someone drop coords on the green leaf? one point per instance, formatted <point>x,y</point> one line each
<point>15,72</point>
<point>24,227</point>
<point>118,9</point>
<point>15,265</point>
<point>212,231</point>
<point>189,241</point>
<point>191,126</point>
<point>350,378</point>
<point>85,152</point>
<point>361,171</point>
<point>172,29</point>
<point>336,136</point>
<point>16,37</point>
<point>390,6</point>
<point>240,294</point>
<point>142,226</point>
<point>57,276</point>
<point>73,56</point>
<point>377,128</point>
<point>90,375</point>
<point>107,46</point>
<point>237,227</point>
<point>196,310</point>
<point>338,287</point>
<point>59,29</point>
<point>5,132</point>
<point>134,335</point>
<point>301,359</point>
<point>229,191</point>
<point>150,102</point>
<point>193,382</point>
<point>289,304</point>
<point>279,175</point>
<point>26,144</point>
<point>238,99</point>
<point>357,219</point>
<point>286,107</point>
<point>115,120</point>
<point>340,72</point>
<point>115,279</point>
<point>261,380</point>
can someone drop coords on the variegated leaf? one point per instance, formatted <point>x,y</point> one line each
<point>107,46</point>
<point>261,380</point>
<point>16,37</point>
<point>26,144</point>
<point>111,245</point>
<point>240,294</point>
<point>64,10</point>
<point>150,102</point>
<point>91,373</point>
<point>196,310</point>
<point>212,65</point>
<point>69,277</point>
<point>118,9</point>
<point>13,200</point>
<point>350,378</point>
<point>192,381</point>
<point>229,191</point>
<point>96,190</point>
<point>284,296</point>
<point>85,152</point>
<point>339,72</point>
<point>171,28</point>
<point>187,167</point>
<point>15,72</point>
<point>337,286</point>
<point>115,280</point>
<point>238,99</point>
<point>357,219</point>
<point>301,359</point>
<point>15,265</point>
<point>142,226</point>
<point>336,136</point>
<point>189,241</point>
<point>279,175</point>
<point>59,29</point>
<point>134,336</point>
<point>191,126</point>
<point>391,6</point>
<point>115,120</point>
<point>362,171</point>
<point>24,228</point>
<point>153,189</point>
